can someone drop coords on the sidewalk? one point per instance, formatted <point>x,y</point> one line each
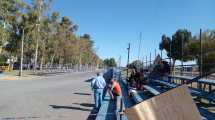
<point>29,74</point>
<point>14,75</point>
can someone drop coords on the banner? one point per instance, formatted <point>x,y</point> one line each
<point>175,104</point>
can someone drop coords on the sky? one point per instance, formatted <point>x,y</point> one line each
<point>113,24</point>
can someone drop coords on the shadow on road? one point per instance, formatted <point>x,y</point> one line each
<point>93,114</point>
<point>85,104</point>
<point>69,107</point>
<point>82,93</point>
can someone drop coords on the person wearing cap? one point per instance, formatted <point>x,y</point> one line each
<point>98,84</point>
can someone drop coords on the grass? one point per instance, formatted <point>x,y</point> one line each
<point>16,73</point>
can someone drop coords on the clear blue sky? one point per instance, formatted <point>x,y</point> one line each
<point>114,23</point>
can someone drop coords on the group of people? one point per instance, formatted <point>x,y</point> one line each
<point>137,79</point>
<point>99,84</point>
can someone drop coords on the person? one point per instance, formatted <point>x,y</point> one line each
<point>116,93</point>
<point>137,78</point>
<point>132,88</point>
<point>98,84</point>
<point>132,77</point>
<point>143,80</point>
<point>114,89</point>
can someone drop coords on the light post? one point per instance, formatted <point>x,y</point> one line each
<point>22,49</point>
<point>22,46</point>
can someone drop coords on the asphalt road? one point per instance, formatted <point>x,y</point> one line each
<point>56,97</point>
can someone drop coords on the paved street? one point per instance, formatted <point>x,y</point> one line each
<point>61,97</point>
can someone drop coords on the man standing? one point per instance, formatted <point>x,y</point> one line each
<point>98,84</point>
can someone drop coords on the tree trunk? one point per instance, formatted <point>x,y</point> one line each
<point>41,63</point>
<point>36,52</point>
<point>52,60</point>
<point>173,67</point>
<point>80,62</point>
<point>43,52</point>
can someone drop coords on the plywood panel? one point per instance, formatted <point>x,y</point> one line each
<point>176,104</point>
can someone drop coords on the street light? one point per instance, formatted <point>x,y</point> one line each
<point>22,44</point>
<point>22,47</point>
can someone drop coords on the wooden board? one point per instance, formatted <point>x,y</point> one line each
<point>176,104</point>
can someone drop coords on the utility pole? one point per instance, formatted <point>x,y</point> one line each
<point>139,49</point>
<point>150,57</point>
<point>129,47</point>
<point>146,62</point>
<point>155,53</point>
<point>22,44</point>
<point>201,59</point>
<point>170,61</point>
<point>119,62</point>
<point>182,56</point>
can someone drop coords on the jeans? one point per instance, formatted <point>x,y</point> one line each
<point>98,93</point>
<point>121,104</point>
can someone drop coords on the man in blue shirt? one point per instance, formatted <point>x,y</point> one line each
<point>98,84</point>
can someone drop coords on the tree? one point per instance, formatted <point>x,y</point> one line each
<point>52,44</point>
<point>160,69</point>
<point>136,64</point>
<point>40,7</point>
<point>175,47</point>
<point>48,39</point>
<point>208,50</point>
<point>110,62</point>
<point>11,19</point>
